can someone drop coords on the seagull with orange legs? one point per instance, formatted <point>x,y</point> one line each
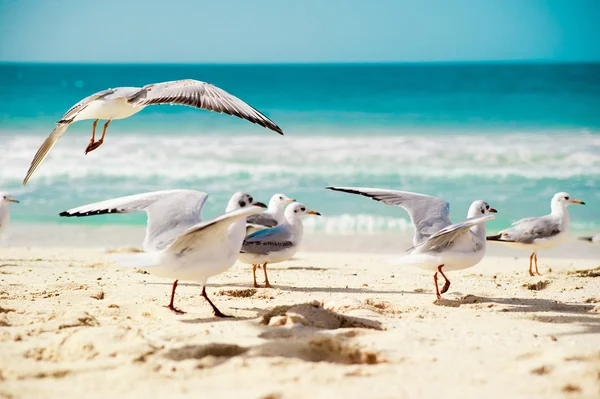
<point>439,245</point>
<point>533,234</point>
<point>170,214</point>
<point>123,102</point>
<point>277,244</point>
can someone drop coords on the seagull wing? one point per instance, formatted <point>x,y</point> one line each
<point>59,130</point>
<point>264,242</point>
<point>211,233</point>
<point>449,234</point>
<point>428,214</point>
<point>170,212</point>
<point>199,94</point>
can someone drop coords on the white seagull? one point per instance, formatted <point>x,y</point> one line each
<point>272,217</point>
<point>542,232</point>
<point>439,245</point>
<point>593,239</point>
<point>276,244</point>
<point>4,211</point>
<point>122,102</point>
<point>171,213</point>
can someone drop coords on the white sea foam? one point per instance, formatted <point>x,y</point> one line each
<point>256,157</point>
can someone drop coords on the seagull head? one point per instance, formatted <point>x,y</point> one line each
<point>563,200</point>
<point>279,201</point>
<point>480,208</point>
<point>298,211</point>
<point>242,200</point>
<point>5,198</point>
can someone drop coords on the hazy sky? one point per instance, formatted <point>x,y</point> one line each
<point>256,31</point>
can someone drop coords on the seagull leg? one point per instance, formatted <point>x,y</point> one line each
<point>254,275</point>
<point>536,266</point>
<point>170,306</point>
<point>267,284</point>
<point>216,311</point>
<point>531,264</point>
<point>93,145</point>
<point>93,136</point>
<point>447,283</point>
<point>437,289</point>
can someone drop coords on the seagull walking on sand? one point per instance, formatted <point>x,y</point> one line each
<point>542,232</point>
<point>122,102</point>
<point>439,245</point>
<point>276,244</point>
<point>5,199</point>
<point>272,217</point>
<point>174,222</point>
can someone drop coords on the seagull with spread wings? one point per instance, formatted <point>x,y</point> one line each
<point>439,245</point>
<point>122,102</point>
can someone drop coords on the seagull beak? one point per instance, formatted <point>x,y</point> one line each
<point>259,204</point>
<point>11,199</point>
<point>492,210</point>
<point>578,202</point>
<point>290,200</point>
<point>313,213</point>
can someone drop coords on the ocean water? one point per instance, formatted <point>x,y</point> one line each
<point>510,134</point>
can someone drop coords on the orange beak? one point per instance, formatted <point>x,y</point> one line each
<point>313,213</point>
<point>492,210</point>
<point>578,202</point>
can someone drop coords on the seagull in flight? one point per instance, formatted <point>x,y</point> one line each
<point>122,102</point>
<point>542,232</point>
<point>439,245</point>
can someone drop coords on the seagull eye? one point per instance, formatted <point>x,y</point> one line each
<point>303,209</point>
<point>487,206</point>
<point>567,198</point>
<point>280,198</point>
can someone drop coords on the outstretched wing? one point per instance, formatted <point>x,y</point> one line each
<point>266,241</point>
<point>428,214</point>
<point>212,232</point>
<point>449,234</point>
<point>170,212</point>
<point>59,130</point>
<point>203,95</point>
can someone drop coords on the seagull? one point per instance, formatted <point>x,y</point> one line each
<point>272,217</point>
<point>594,239</point>
<point>202,251</point>
<point>276,244</point>
<point>541,232</point>
<point>439,245</point>
<point>170,213</point>
<point>122,102</point>
<point>4,211</point>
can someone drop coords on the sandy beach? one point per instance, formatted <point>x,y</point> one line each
<point>73,324</point>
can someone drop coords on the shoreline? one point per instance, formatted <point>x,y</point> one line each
<point>113,236</point>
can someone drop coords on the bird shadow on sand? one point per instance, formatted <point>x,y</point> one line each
<point>580,315</point>
<point>205,320</point>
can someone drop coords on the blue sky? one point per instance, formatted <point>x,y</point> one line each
<point>271,31</point>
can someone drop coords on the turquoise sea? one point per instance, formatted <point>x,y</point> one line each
<point>512,134</point>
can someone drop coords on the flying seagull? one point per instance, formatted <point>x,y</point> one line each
<point>439,245</point>
<point>122,102</point>
<point>542,232</point>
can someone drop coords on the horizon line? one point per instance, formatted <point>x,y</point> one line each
<point>309,63</point>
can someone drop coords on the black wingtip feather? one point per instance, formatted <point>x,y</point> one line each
<point>90,213</point>
<point>586,239</point>
<point>497,237</point>
<point>345,190</point>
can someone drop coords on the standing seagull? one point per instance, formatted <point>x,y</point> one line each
<point>4,211</point>
<point>170,213</point>
<point>276,244</point>
<point>202,251</point>
<point>438,244</point>
<point>272,217</point>
<point>542,232</point>
<point>123,102</point>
